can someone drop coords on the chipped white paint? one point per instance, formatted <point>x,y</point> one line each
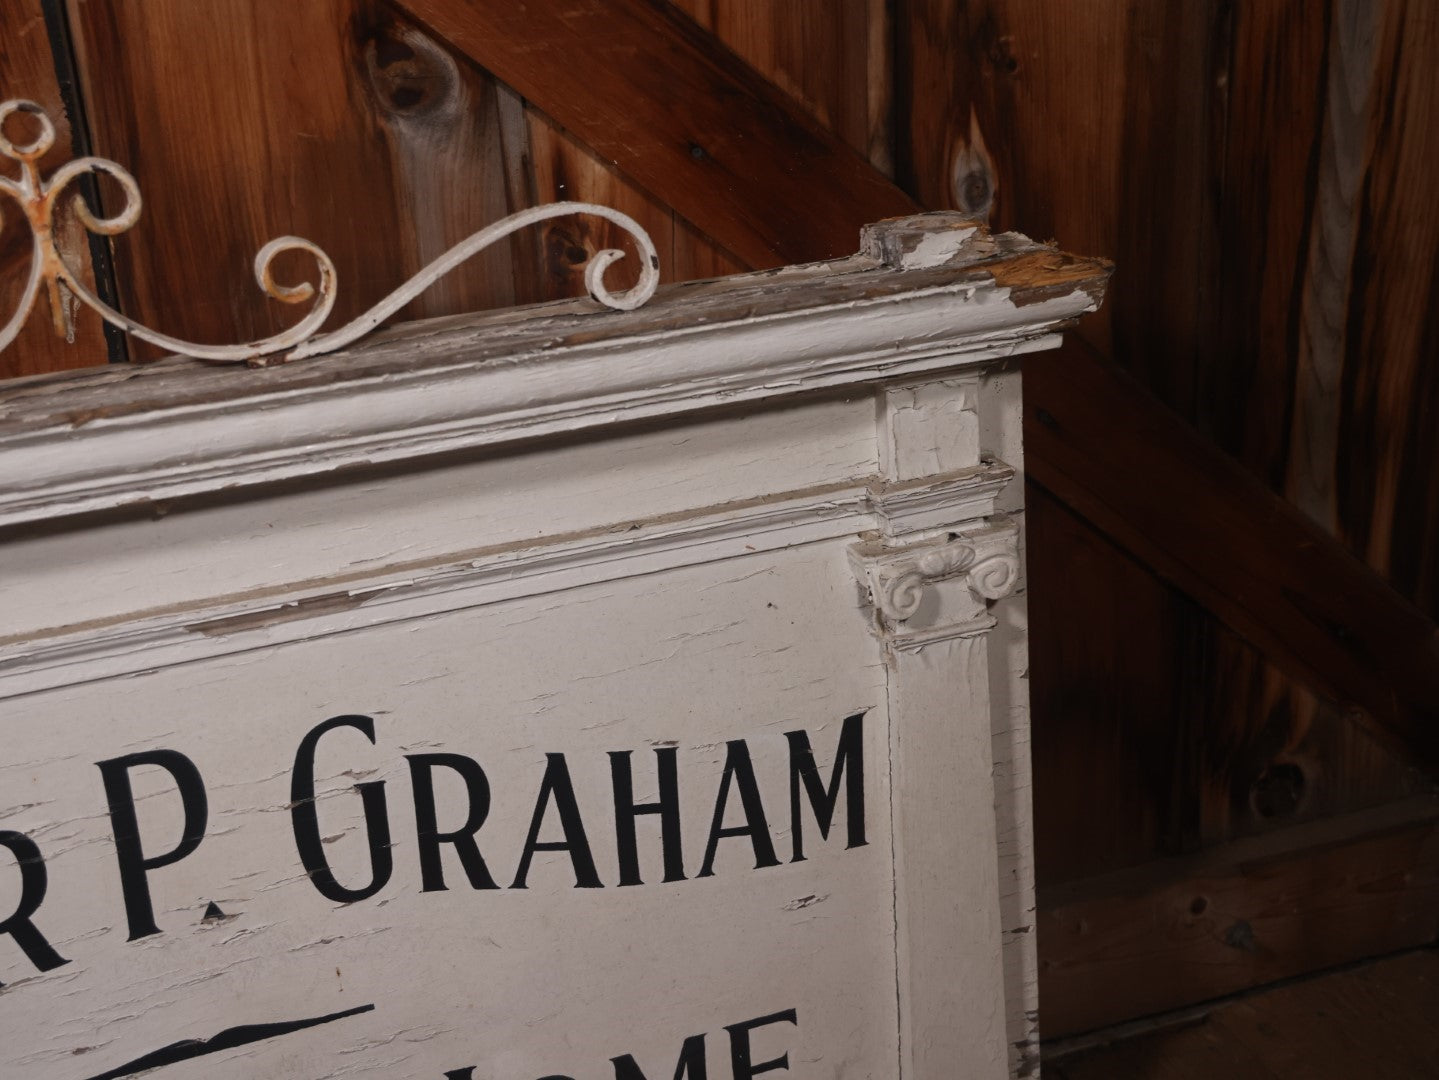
<point>423,620</point>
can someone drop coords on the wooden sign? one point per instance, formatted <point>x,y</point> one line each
<point>546,694</point>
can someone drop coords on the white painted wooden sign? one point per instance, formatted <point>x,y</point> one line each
<point>549,694</point>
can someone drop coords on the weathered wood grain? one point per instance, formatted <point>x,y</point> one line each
<point>647,88</point>
<point>341,123</point>
<point>1327,277</point>
<point>1180,931</point>
<point>831,58</point>
<point>1387,486</point>
<point>1188,735</point>
<point>1094,680</point>
<point>1092,117</point>
<point>1374,1019</point>
<point>1324,331</point>
<point>440,118</point>
<point>821,57</point>
<point>1284,584</point>
<point>1264,173</point>
<point>562,168</point>
<point>1092,124</point>
<point>1191,131</point>
<point>27,70</point>
<point>558,166</point>
<point>1216,791</point>
<point>1307,312</point>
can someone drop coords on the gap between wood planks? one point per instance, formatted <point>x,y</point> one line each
<point>1361,999</point>
<point>1168,934</point>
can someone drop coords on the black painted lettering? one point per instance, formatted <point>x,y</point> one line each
<point>739,1048</point>
<point>692,1064</point>
<point>305,818</point>
<point>557,786</point>
<point>627,810</point>
<point>33,881</point>
<point>849,764</point>
<point>134,866</point>
<point>739,770</point>
<point>427,832</point>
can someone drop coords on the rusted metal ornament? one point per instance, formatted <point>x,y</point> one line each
<point>38,199</point>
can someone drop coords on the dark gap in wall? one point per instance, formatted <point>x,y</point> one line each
<point>62,51</point>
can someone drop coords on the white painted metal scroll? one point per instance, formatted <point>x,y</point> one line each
<point>498,701</point>
<point>39,199</point>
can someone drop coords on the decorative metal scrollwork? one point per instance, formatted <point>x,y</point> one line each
<point>38,198</point>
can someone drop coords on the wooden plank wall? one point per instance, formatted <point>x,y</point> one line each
<point>28,70</point>
<point>1265,175</point>
<point>375,140</point>
<point>1204,147</point>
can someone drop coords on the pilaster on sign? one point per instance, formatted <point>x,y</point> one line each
<point>938,588</point>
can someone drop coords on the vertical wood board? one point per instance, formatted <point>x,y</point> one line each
<point>343,123</point>
<point>27,70</point>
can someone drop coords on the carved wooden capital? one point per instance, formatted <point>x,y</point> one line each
<point>940,588</point>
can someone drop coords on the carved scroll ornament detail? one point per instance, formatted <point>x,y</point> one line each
<point>941,588</point>
<point>38,199</point>
<point>901,596</point>
<point>994,578</point>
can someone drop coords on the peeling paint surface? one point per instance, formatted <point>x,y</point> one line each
<point>525,981</point>
<point>537,695</point>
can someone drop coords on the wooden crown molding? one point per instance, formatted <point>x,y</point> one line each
<point>89,442</point>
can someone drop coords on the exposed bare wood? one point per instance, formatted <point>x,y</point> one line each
<point>647,88</point>
<point>1179,931</point>
<point>1175,757</point>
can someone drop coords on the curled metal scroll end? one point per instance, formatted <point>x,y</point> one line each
<point>38,199</point>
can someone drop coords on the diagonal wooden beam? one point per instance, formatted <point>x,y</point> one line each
<point>1133,468</point>
<point>644,86</point>
<point>688,120</point>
